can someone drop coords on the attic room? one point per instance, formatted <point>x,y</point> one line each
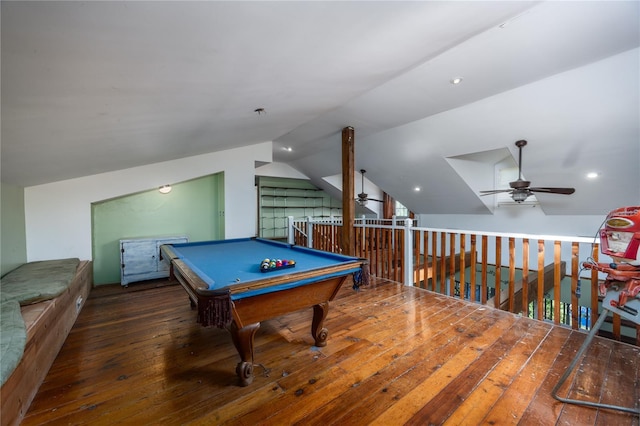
<point>271,119</point>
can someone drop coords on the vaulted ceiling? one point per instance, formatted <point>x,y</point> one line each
<point>90,87</point>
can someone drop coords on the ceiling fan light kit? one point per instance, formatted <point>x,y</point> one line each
<point>520,196</point>
<point>520,188</point>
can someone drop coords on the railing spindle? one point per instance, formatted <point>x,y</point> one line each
<point>540,300</point>
<point>557,246</point>
<point>472,266</point>
<point>425,266</point>
<point>525,277</point>
<point>442,270</point>
<point>575,270</point>
<point>483,270</point>
<point>498,282</point>
<point>512,274</point>
<point>434,260</point>
<point>452,264</point>
<point>463,267</point>
<point>594,288</point>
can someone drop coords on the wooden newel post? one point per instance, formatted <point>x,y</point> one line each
<point>348,193</point>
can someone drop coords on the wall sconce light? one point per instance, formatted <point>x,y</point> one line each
<point>165,189</point>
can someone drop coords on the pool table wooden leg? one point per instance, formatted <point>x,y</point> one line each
<point>243,341</point>
<point>317,331</point>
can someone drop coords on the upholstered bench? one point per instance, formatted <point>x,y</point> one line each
<point>39,303</point>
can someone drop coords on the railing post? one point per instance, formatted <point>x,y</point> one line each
<point>393,233</point>
<point>332,238</point>
<point>363,234</point>
<point>408,253</point>
<point>309,232</point>
<point>290,231</point>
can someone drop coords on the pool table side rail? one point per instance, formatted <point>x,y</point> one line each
<point>302,278</point>
<point>264,241</point>
<point>200,287</point>
<point>167,254</point>
<point>195,282</point>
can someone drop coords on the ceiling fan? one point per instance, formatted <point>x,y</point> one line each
<point>520,189</point>
<point>363,197</point>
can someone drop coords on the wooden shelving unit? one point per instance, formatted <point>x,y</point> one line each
<point>291,197</point>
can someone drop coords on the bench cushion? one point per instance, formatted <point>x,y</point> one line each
<point>37,281</point>
<point>12,338</point>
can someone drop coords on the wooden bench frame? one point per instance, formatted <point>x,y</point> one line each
<point>48,323</point>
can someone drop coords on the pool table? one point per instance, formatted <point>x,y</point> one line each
<point>224,281</point>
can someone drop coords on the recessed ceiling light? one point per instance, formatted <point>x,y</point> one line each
<point>456,80</point>
<point>417,189</point>
<point>287,148</point>
<point>592,175</point>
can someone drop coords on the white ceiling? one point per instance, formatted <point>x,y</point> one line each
<point>90,87</point>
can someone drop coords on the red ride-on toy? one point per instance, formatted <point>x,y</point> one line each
<point>619,239</point>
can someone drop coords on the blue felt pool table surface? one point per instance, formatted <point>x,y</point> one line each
<point>236,262</point>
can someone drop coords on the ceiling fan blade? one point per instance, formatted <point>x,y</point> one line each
<point>564,191</point>
<point>494,191</point>
<point>364,199</point>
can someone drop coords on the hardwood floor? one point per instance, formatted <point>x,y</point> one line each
<point>395,355</point>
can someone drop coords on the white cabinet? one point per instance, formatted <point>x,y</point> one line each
<point>140,258</point>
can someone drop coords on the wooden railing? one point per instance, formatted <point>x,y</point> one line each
<point>537,276</point>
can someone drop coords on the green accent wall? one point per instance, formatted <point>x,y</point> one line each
<point>193,208</point>
<point>13,250</point>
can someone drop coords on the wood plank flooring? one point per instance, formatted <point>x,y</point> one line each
<point>395,355</point>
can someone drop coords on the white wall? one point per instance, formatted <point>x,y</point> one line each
<point>281,170</point>
<point>58,215</point>
<point>518,219</point>
<point>333,184</point>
